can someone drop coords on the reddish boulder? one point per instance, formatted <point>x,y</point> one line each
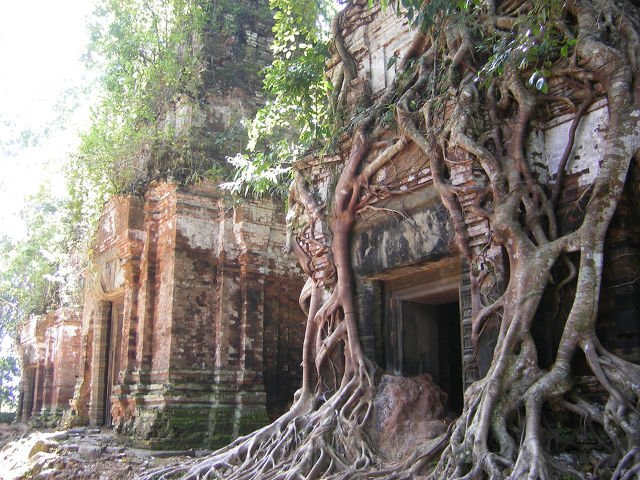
<point>407,412</point>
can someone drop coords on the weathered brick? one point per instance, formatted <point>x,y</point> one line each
<point>191,308</point>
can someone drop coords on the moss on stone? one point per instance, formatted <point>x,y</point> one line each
<point>170,428</point>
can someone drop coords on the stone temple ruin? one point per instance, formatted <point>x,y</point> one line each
<point>191,327</point>
<point>50,347</point>
<point>413,285</point>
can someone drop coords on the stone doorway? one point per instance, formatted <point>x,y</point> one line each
<point>423,327</point>
<point>107,364</point>
<point>114,336</point>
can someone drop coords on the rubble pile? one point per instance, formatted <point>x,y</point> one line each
<point>77,453</point>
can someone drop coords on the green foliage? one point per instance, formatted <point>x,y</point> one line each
<point>156,57</point>
<point>150,56</point>
<point>260,173</point>
<point>296,115</point>
<point>421,13</point>
<point>295,78</point>
<point>535,40</point>
<point>38,272</point>
<point>35,272</point>
<point>9,373</point>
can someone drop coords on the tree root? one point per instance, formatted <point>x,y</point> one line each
<point>500,433</point>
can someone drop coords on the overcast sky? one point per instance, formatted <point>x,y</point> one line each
<point>41,43</point>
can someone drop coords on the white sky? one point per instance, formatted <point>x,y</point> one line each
<point>41,43</point>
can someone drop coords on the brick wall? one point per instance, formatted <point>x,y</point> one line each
<point>209,333</point>
<point>49,347</point>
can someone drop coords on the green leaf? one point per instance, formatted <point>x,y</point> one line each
<point>392,60</point>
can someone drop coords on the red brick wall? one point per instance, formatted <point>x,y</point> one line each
<point>50,351</point>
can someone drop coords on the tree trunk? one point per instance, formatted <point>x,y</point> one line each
<point>439,107</point>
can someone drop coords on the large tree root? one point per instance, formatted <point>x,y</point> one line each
<point>500,433</point>
<point>303,443</point>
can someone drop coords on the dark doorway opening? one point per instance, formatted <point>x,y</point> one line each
<point>113,335</point>
<point>431,341</point>
<point>423,327</point>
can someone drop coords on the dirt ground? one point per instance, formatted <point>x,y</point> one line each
<point>77,453</point>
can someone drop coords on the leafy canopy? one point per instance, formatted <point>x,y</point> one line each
<point>535,38</point>
<point>150,56</point>
<point>9,373</point>
<point>36,273</point>
<point>296,115</point>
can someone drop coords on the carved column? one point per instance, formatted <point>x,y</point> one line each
<point>131,254</point>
